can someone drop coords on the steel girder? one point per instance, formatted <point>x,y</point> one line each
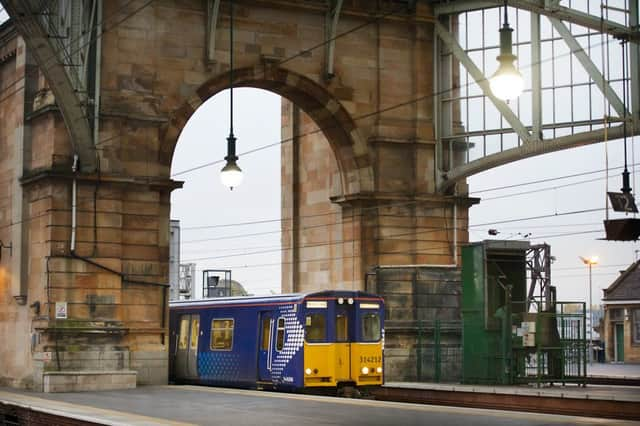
<point>332,18</point>
<point>531,136</point>
<point>550,8</point>
<point>36,25</point>
<point>213,10</point>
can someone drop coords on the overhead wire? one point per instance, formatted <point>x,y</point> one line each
<point>534,182</point>
<point>301,53</point>
<point>312,260</point>
<point>422,232</point>
<point>403,104</point>
<point>355,118</point>
<point>412,202</point>
<point>471,228</point>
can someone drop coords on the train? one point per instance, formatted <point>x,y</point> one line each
<point>327,340</point>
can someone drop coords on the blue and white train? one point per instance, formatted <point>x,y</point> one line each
<point>328,339</point>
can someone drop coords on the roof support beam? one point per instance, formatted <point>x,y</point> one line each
<point>482,81</point>
<point>530,150</point>
<point>550,8</point>
<point>589,66</point>
<point>213,10</point>
<point>27,20</point>
<point>536,77</point>
<point>333,15</point>
<point>634,65</point>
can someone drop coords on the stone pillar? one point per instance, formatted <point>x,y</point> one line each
<point>114,283</point>
<point>332,239</point>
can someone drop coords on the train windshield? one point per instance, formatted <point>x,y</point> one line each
<point>316,328</point>
<point>371,327</point>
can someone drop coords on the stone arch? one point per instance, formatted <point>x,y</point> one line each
<point>348,145</point>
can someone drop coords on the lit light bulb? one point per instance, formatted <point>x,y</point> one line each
<point>507,83</point>
<point>231,175</point>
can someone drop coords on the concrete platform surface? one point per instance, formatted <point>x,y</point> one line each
<point>177,405</point>
<point>593,392</point>
<point>628,371</point>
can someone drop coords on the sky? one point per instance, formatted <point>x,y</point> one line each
<point>204,206</point>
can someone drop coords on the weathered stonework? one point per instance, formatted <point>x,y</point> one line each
<point>423,329</point>
<point>359,178</point>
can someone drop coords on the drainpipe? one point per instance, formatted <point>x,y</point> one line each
<point>98,75</point>
<point>74,196</point>
<point>455,234</point>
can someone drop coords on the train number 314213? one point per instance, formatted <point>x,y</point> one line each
<point>372,359</point>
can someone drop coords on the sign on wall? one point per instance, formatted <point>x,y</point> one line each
<point>61,310</point>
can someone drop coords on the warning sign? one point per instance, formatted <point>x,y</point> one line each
<point>61,310</point>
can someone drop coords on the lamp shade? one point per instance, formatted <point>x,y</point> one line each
<point>231,175</point>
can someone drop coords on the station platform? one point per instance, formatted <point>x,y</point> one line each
<point>568,391</point>
<point>179,405</point>
<point>614,370</point>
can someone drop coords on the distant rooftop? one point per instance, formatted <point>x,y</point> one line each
<point>626,286</point>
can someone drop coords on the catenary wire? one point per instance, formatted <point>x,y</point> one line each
<point>355,118</point>
<point>150,2</point>
<point>432,230</point>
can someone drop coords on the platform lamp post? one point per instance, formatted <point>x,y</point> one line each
<point>593,260</point>
<point>507,82</point>
<point>231,174</point>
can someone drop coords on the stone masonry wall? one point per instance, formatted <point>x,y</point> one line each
<point>15,359</point>
<point>423,332</point>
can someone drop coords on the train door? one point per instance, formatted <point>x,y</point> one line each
<point>265,347</point>
<point>343,342</point>
<point>186,362</point>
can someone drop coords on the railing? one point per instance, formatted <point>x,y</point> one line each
<point>558,350</point>
<point>435,351</point>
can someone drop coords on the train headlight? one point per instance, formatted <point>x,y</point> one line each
<point>308,371</point>
<point>340,300</point>
<point>365,370</point>
<point>350,301</point>
<point>379,370</point>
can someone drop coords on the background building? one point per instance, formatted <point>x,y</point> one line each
<point>622,317</point>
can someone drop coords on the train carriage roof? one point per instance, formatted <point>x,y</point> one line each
<point>271,299</point>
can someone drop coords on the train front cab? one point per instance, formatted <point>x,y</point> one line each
<point>344,338</point>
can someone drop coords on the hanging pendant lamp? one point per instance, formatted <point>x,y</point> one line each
<point>231,174</point>
<point>507,82</point>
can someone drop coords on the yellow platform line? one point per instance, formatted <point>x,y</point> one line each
<point>83,412</point>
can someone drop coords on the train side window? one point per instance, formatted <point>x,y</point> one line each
<point>222,334</point>
<point>266,326</point>
<point>280,335</point>
<point>342,334</point>
<point>315,327</point>
<point>184,332</point>
<point>371,327</point>
<point>195,330</point>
